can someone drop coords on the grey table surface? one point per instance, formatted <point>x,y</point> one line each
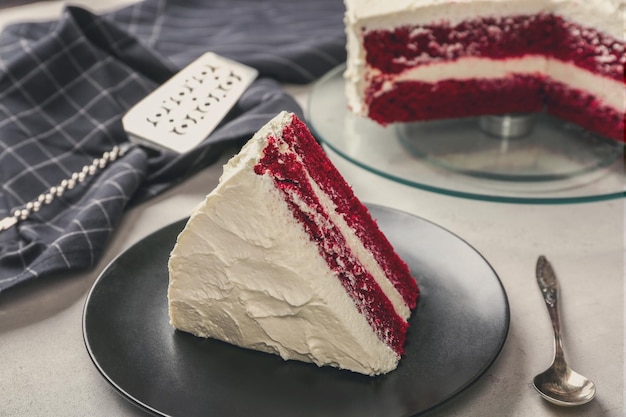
<point>45,369</point>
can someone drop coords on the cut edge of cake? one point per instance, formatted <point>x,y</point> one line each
<point>431,83</point>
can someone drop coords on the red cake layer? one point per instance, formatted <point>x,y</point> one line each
<point>353,211</point>
<point>584,110</point>
<point>290,176</point>
<point>411,101</point>
<point>589,49</point>
<point>496,38</point>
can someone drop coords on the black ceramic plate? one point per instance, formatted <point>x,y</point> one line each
<point>458,330</point>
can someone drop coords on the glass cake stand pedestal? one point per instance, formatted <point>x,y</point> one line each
<point>519,158</point>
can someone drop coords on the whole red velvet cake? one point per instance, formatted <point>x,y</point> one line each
<point>435,59</point>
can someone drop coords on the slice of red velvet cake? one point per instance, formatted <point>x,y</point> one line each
<point>430,59</point>
<point>282,257</point>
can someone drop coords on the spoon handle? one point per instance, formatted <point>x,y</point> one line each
<point>546,279</point>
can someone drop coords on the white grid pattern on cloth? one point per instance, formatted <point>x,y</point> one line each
<point>65,84</point>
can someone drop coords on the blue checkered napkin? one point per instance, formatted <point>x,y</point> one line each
<point>64,86</point>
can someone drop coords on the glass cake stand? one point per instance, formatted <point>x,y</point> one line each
<point>521,158</point>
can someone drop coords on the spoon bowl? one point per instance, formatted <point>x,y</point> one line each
<point>563,386</point>
<point>559,384</point>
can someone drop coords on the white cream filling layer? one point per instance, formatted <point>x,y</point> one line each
<point>260,283</point>
<point>610,93</point>
<point>364,256</point>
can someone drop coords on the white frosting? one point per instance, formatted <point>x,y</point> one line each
<point>604,15</point>
<point>244,271</point>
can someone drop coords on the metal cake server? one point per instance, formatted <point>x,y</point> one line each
<point>559,384</point>
<point>177,116</point>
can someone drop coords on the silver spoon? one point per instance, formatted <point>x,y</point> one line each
<point>559,384</point>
